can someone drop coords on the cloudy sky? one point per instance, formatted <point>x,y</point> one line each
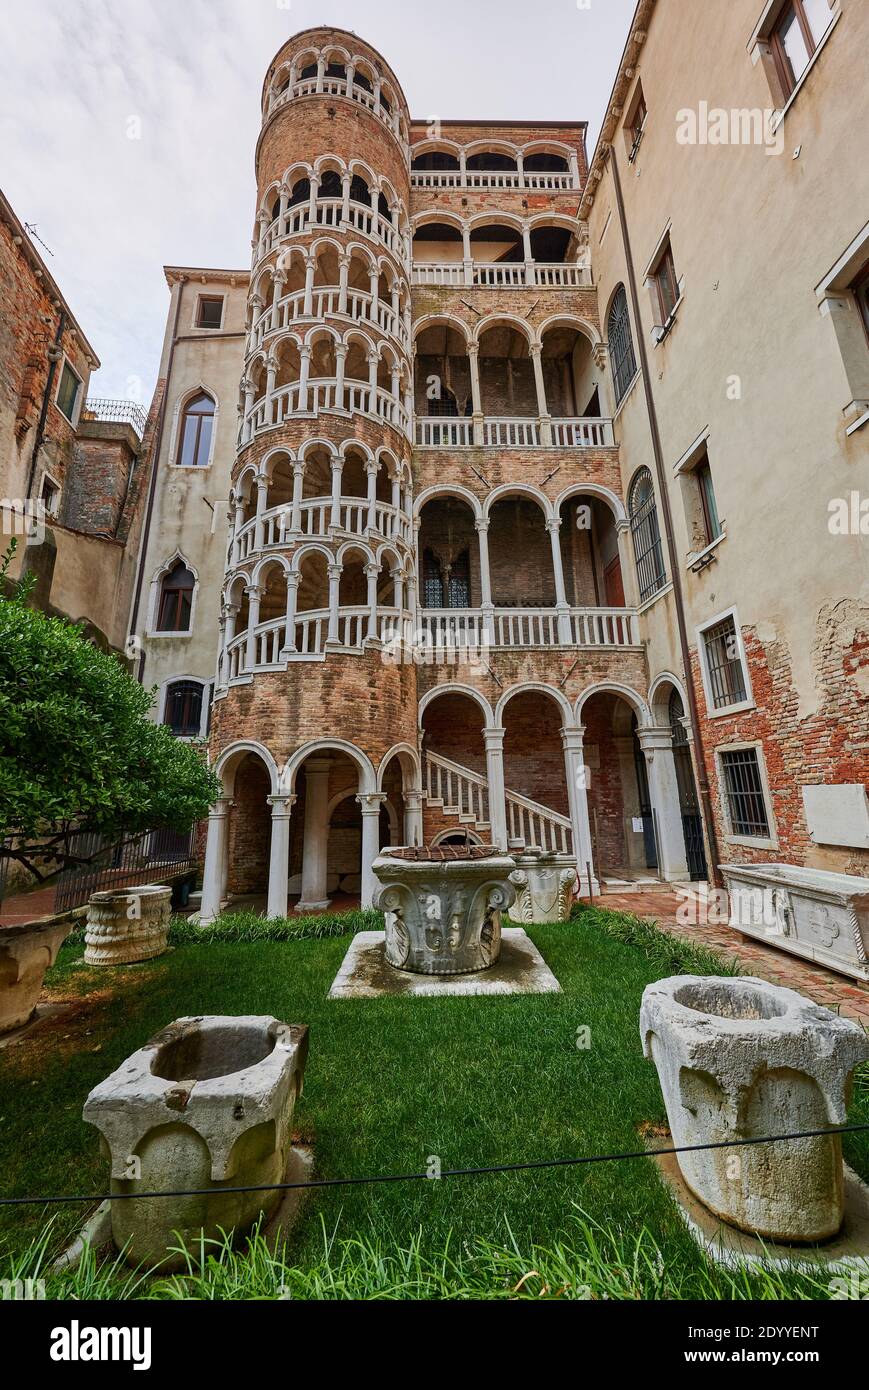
<point>79,78</point>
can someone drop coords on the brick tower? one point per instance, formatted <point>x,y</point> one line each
<point>425,457</point>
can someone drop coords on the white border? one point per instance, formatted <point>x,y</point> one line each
<point>750,841</point>
<point>748,702</point>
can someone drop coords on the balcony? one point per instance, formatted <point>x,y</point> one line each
<point>458,629</point>
<point>501,274</point>
<point>482,179</point>
<point>319,517</point>
<point>327,302</point>
<point>311,398</point>
<point>513,432</point>
<point>349,87</point>
<point>332,214</point>
<point>307,637</point>
<point>115,413</point>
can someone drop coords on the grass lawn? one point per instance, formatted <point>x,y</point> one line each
<point>389,1083</point>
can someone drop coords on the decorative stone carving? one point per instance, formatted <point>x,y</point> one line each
<point>544,886</point>
<point>26,952</point>
<point>813,913</point>
<point>740,1058</point>
<point>443,907</point>
<point>205,1104</point>
<point>127,925</point>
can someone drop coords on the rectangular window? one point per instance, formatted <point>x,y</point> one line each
<point>49,496</point>
<point>210,312</point>
<point>727,685</point>
<point>68,392</point>
<point>711,522</point>
<point>665,282</point>
<point>635,123</point>
<point>797,33</point>
<point>744,795</point>
<point>861,294</point>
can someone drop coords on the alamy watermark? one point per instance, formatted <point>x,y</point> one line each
<point>738,125</point>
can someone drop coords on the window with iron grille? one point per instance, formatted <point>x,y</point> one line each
<point>624,363</point>
<point>743,789</point>
<point>646,533</point>
<point>183,708</point>
<point>724,667</point>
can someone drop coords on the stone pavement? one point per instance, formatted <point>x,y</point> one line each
<point>843,995</point>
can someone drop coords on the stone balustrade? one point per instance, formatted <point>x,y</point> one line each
<point>503,274</point>
<point>513,432</point>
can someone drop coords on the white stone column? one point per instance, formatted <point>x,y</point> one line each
<point>577,775</point>
<point>312,200</point>
<point>413,826</point>
<point>337,466</point>
<point>304,374</point>
<point>340,359</point>
<point>279,855</point>
<point>296,512</point>
<point>262,497</point>
<point>542,407</point>
<point>371,469</point>
<point>343,282</point>
<point>553,526</point>
<point>214,872</point>
<point>293,581</point>
<point>321,72</point>
<point>346,180</point>
<point>315,848</point>
<point>467,255</point>
<point>254,594</point>
<point>494,741</point>
<point>627,564</point>
<point>372,383</point>
<point>370,803</point>
<point>335,572</point>
<point>372,574</point>
<point>657,746</point>
<point>278,281</point>
<point>231,611</point>
<point>310,272</point>
<point>528,254</point>
<point>398,589</point>
<point>486,605</point>
<point>476,393</point>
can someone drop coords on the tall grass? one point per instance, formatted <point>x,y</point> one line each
<point>671,954</point>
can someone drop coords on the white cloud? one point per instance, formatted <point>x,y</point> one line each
<point>78,77</point>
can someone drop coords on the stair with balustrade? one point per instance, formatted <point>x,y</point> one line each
<point>459,793</point>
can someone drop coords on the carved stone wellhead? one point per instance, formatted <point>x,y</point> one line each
<point>443,907</point>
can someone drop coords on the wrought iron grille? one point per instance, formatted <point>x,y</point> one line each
<point>624,363</point>
<point>646,534</point>
<point>119,412</point>
<point>724,664</point>
<point>153,855</point>
<point>743,788</point>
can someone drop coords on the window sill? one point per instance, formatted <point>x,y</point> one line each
<point>779,116</point>
<point>653,598</point>
<point>192,467</point>
<point>857,424</point>
<point>728,710</point>
<point>752,841</point>
<point>155,635</point>
<point>698,559</point>
<point>665,328</point>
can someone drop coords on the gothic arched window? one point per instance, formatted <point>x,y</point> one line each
<point>176,599</point>
<point>194,436</point>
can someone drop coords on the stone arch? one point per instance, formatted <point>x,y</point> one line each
<point>626,692</point>
<point>659,696</point>
<point>361,760</point>
<point>527,490</point>
<point>439,691</point>
<point>552,693</point>
<point>227,763</point>
<point>606,495</point>
<point>436,490</point>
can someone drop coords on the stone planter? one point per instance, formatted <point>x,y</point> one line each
<point>740,1058</point>
<point>206,1104</point>
<point>810,912</point>
<point>443,907</point>
<point>127,925</point>
<point>26,952</point>
<point>544,886</point>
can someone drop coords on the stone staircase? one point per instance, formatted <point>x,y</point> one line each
<point>463,795</point>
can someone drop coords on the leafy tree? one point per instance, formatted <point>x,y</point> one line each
<point>78,752</point>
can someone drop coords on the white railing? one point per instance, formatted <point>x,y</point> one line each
<point>555,181</point>
<point>315,520</point>
<point>460,628</point>
<point>322,394</point>
<point>335,87</point>
<point>496,274</point>
<point>460,792</point>
<point>444,432</point>
<point>328,213</point>
<point>537,826</point>
<point>325,303</point>
<point>310,635</point>
<point>512,432</point>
